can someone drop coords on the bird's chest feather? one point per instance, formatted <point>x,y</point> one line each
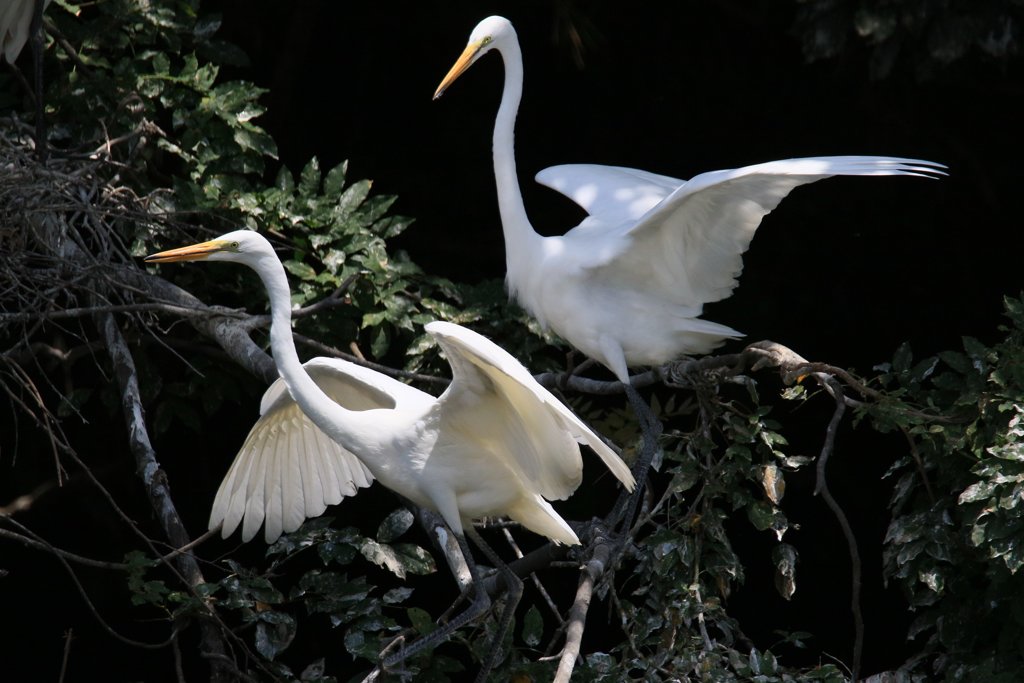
<point>547,285</point>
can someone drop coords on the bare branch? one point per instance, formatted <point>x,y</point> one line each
<point>595,387</point>
<point>82,312</point>
<point>446,542</point>
<point>152,474</point>
<point>46,547</point>
<point>590,574</point>
<point>821,487</point>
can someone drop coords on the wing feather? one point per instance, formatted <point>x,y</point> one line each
<point>256,490</point>
<point>546,431</point>
<point>312,484</point>
<point>293,492</point>
<point>288,469</point>
<point>684,240</point>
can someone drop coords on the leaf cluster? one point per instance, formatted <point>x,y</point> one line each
<point>725,457</point>
<point>956,540</point>
<point>313,578</point>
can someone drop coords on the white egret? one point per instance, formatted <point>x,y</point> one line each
<point>627,285</point>
<point>495,443</point>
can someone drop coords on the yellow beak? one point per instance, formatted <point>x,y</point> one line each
<point>195,252</point>
<point>461,64</point>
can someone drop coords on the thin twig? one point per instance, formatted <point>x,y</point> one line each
<point>536,580</point>
<point>821,487</point>
<point>68,637</point>
<point>46,547</point>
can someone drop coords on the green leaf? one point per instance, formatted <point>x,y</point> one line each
<point>761,514</point>
<point>284,180</point>
<point>353,196</point>
<point>957,361</point>
<point>421,620</point>
<point>309,179</point>
<point>256,141</point>
<point>975,349</point>
<point>335,181</point>
<point>414,559</point>
<point>977,491</point>
<point>533,626</point>
<point>274,633</point>
<point>300,269</point>
<point>394,525</point>
<point>902,358</point>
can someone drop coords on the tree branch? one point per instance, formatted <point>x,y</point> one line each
<point>46,547</point>
<point>153,476</point>
<point>231,334</point>
<point>590,574</point>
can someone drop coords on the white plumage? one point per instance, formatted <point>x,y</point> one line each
<point>627,285</point>
<point>494,443</point>
<point>288,470</point>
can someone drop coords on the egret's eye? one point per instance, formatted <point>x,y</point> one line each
<point>486,40</point>
<point>234,245</point>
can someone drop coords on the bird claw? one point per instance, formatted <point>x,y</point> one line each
<point>771,354</point>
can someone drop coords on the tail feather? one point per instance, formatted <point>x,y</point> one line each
<point>537,515</point>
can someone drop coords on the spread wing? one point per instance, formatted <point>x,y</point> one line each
<point>545,432</point>
<point>684,240</point>
<point>288,469</point>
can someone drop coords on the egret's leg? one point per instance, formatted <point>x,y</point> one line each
<point>650,430</point>
<point>514,591</point>
<point>481,602</point>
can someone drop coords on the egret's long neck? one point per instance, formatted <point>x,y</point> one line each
<point>347,427</point>
<point>520,237</point>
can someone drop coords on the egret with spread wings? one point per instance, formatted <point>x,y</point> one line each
<point>627,286</point>
<point>495,443</point>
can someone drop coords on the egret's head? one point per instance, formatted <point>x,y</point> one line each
<point>241,246</point>
<point>490,33</point>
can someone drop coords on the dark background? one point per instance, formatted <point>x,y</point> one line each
<point>844,271</point>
